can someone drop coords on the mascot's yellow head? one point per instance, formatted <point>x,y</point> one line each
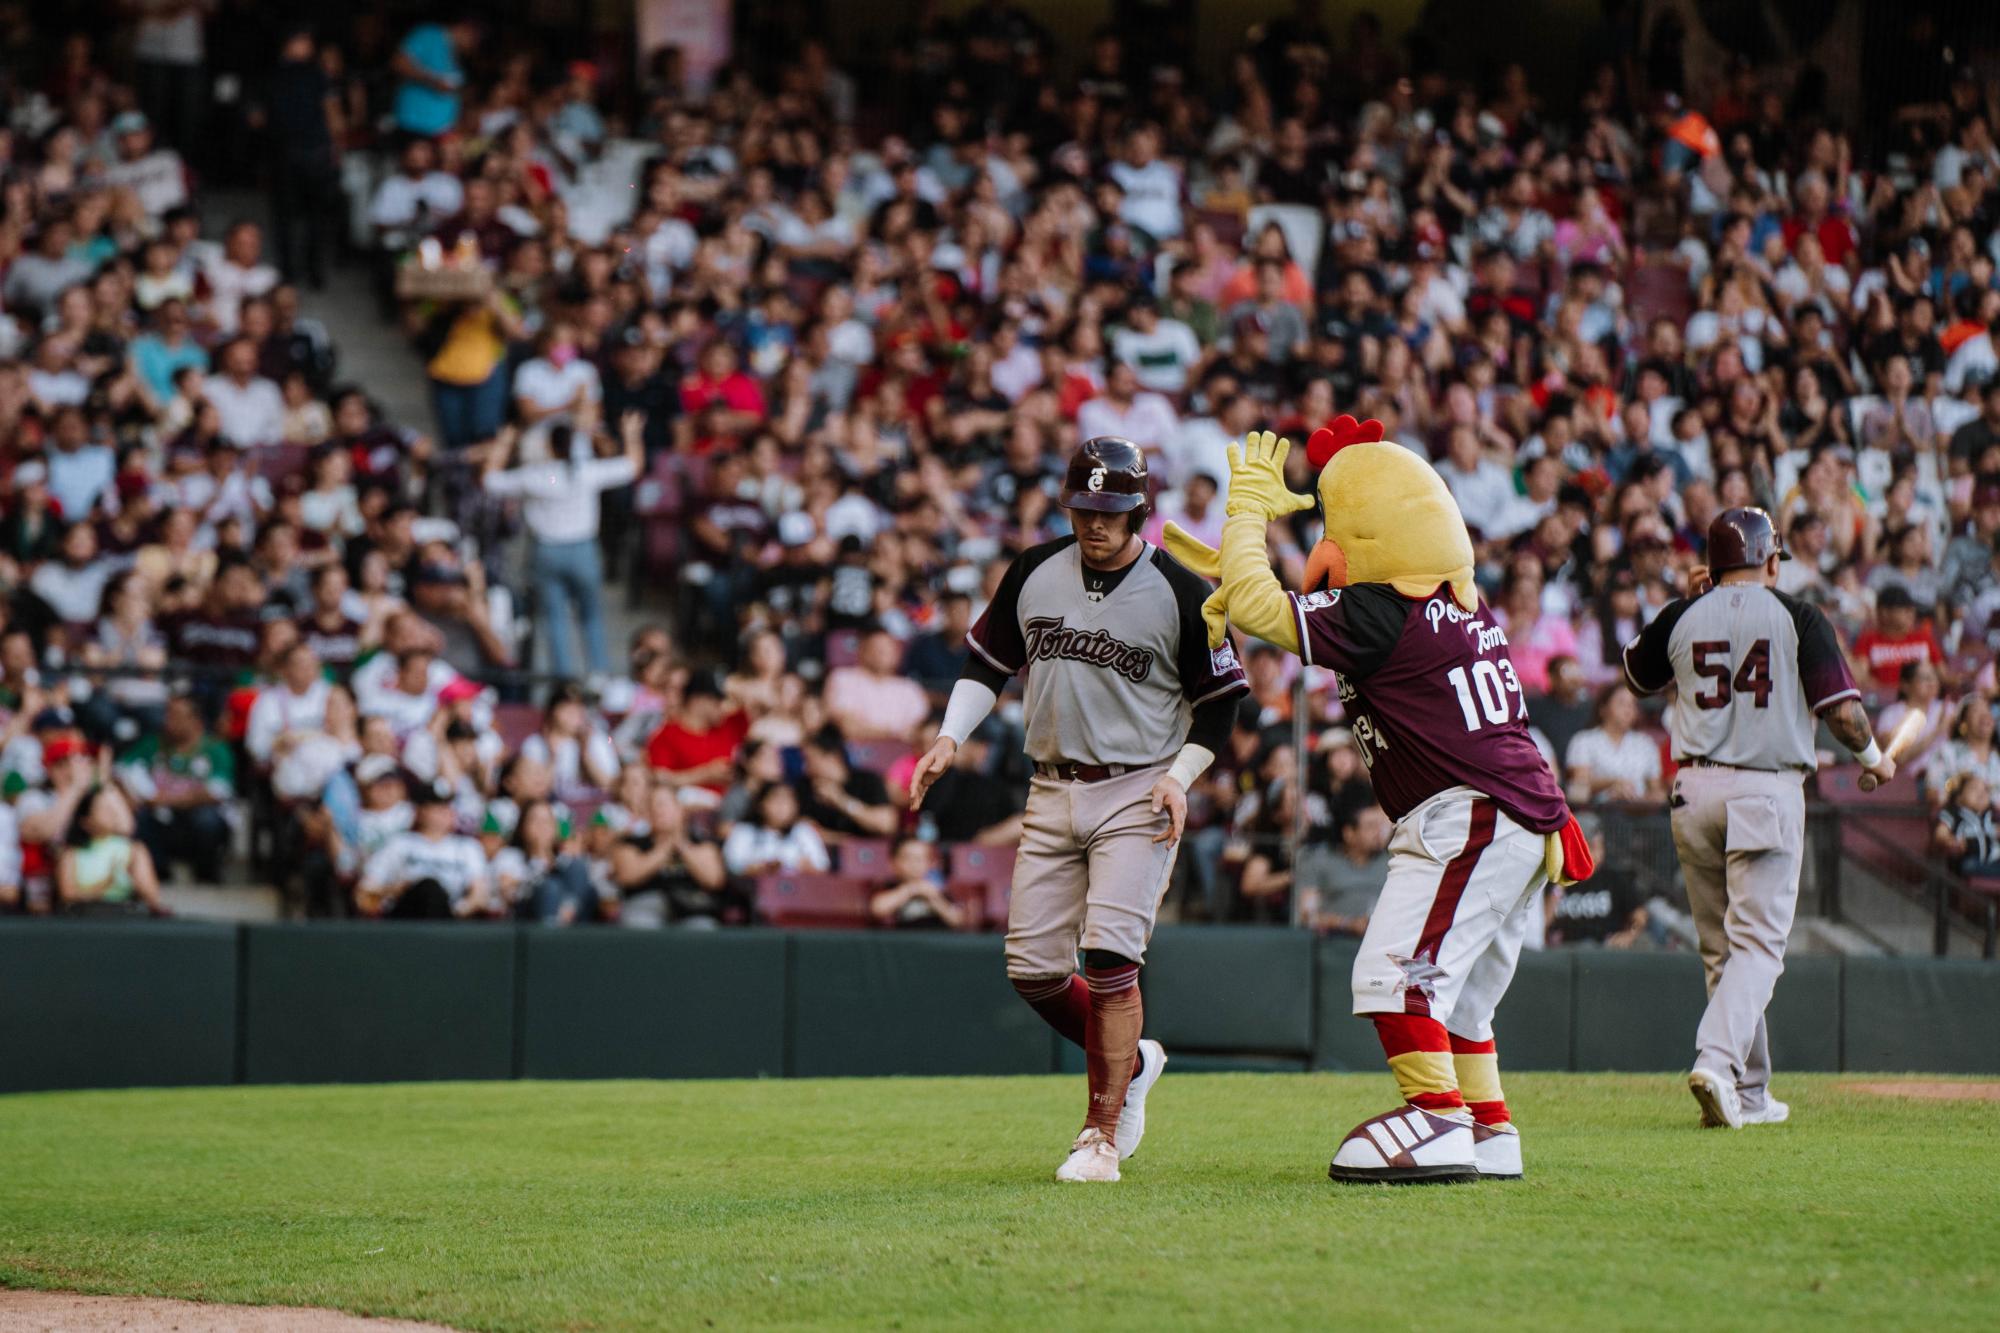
<point>1389,517</point>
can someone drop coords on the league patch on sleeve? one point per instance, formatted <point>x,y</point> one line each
<point>1319,601</point>
<point>1222,661</point>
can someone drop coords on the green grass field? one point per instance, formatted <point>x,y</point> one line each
<point>919,1203</point>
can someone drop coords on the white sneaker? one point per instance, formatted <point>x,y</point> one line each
<point>1093,1157</point>
<point>1497,1149</point>
<point>1408,1145</point>
<point>1132,1118</point>
<point>1720,1106</point>
<point>1772,1112</point>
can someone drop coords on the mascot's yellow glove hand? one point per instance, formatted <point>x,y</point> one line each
<point>1257,478</point>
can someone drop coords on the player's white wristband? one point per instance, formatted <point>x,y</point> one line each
<point>1870,756</point>
<point>1190,764</point>
<point>968,706</point>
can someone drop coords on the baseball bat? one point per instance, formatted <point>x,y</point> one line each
<point>1901,739</point>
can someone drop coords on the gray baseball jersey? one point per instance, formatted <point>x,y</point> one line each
<point>1754,668</point>
<point>1110,680</point>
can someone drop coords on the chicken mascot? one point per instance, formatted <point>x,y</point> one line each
<point>1427,684</point>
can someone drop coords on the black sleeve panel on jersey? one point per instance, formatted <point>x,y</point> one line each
<point>1207,676</point>
<point>996,636</point>
<point>1212,723</point>
<point>1822,666</point>
<point>980,670</point>
<point>1649,665</point>
<point>1372,617</point>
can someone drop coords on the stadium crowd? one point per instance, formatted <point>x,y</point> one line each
<point>809,382</point>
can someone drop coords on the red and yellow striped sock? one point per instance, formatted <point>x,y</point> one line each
<point>1419,1052</point>
<point>1478,1067</point>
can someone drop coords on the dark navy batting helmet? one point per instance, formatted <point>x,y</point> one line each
<point>1108,475</point>
<point>1742,538</point>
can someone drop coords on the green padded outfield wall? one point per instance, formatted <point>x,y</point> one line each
<point>1635,1011</point>
<point>1243,989</point>
<point>865,1003</point>
<point>652,1004</point>
<point>87,1004</point>
<point>1936,1015</point>
<point>363,1002</point>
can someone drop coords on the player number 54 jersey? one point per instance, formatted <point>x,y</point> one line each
<point>1433,697</point>
<point>1753,666</point>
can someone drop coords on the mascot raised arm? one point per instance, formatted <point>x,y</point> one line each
<point>1438,714</point>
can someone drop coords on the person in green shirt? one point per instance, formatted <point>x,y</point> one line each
<point>182,779</point>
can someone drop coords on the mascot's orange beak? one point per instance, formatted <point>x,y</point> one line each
<point>1326,566</point>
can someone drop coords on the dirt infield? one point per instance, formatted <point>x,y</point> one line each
<point>1928,1090</point>
<point>64,1312</point>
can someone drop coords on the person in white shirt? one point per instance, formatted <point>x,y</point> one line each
<point>560,500</point>
<point>73,585</point>
<point>1613,761</point>
<point>576,748</point>
<point>1164,352</point>
<point>402,687</point>
<point>1483,489</point>
<point>430,871</point>
<point>1124,410</point>
<point>156,175</point>
<point>252,408</point>
<point>1017,367</point>
<point>1151,187</point>
<point>290,710</point>
<point>416,196</point>
<point>774,839</point>
<point>237,275</point>
<point>559,382</point>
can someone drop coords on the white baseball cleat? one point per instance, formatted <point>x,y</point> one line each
<point>1406,1146</point>
<point>1772,1112</point>
<point>1721,1108</point>
<point>1497,1149</point>
<point>1092,1158</point>
<point>1132,1119</point>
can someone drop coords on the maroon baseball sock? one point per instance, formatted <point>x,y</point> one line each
<point>1111,1041</point>
<point>1063,1002</point>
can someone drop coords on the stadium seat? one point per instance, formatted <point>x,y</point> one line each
<point>865,858</point>
<point>812,900</point>
<point>843,648</point>
<point>876,756</point>
<point>514,723</point>
<point>1658,291</point>
<point>992,869</point>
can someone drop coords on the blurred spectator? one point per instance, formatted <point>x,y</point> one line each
<point>184,779</point>
<point>102,871</point>
<point>773,837</point>
<point>1340,881</point>
<point>429,871</point>
<point>914,898</point>
<point>698,748</point>
<point>427,63</point>
<point>1614,761</point>
<point>873,699</point>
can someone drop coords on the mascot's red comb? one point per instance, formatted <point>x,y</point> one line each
<point>1342,431</point>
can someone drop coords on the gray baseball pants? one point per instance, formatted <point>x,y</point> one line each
<point>1741,834</point>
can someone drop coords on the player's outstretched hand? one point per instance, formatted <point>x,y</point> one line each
<point>1879,776</point>
<point>1257,478</point>
<point>930,768</point>
<point>1168,796</point>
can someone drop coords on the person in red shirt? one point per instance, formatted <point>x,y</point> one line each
<point>1895,640</point>
<point>698,748</point>
<point>723,402</point>
<point>1836,234</point>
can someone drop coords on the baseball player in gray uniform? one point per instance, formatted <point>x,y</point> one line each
<point>1753,668</point>
<point>1125,706</point>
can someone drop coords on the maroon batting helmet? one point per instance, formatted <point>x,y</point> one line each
<point>1108,474</point>
<point>1742,538</point>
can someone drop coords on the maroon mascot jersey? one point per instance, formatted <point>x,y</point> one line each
<point>1433,699</point>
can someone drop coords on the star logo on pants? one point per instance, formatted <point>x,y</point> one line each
<point>1419,974</point>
